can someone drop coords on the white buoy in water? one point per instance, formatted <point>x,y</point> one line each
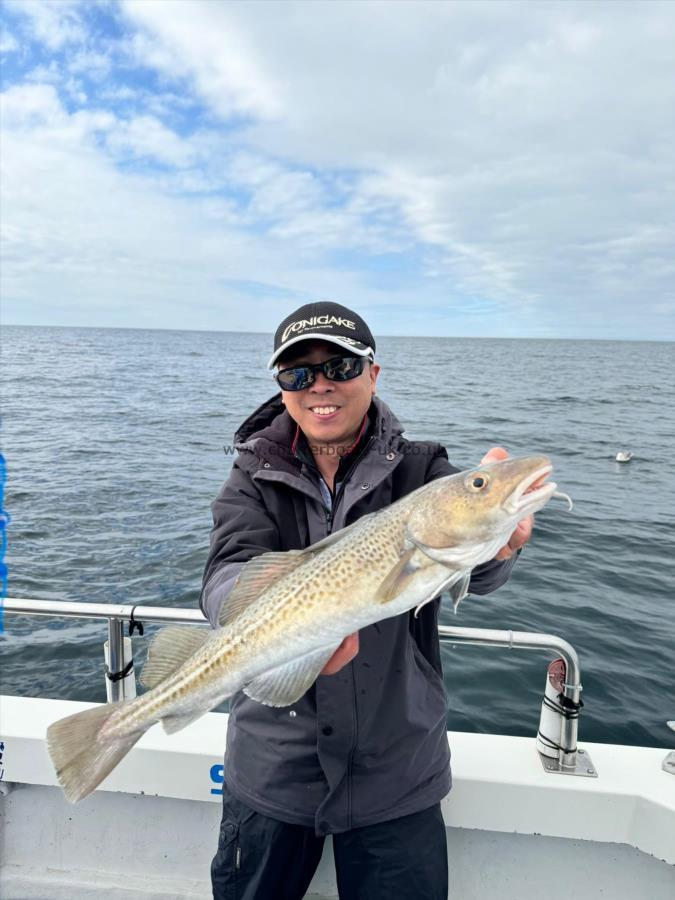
<point>624,456</point>
<point>671,724</point>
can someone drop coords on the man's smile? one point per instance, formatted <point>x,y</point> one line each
<point>324,411</point>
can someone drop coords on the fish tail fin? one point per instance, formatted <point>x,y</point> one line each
<point>81,756</point>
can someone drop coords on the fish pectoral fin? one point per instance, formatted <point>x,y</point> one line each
<point>169,649</point>
<point>172,724</point>
<point>256,576</point>
<point>459,589</point>
<point>285,684</point>
<point>398,579</point>
<point>437,554</point>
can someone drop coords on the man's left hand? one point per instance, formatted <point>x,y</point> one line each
<point>523,529</point>
<point>344,654</point>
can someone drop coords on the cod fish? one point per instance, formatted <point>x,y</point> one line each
<point>288,612</point>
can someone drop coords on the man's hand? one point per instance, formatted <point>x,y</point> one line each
<point>344,654</point>
<point>523,529</point>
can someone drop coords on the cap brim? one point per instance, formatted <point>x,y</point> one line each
<point>357,348</point>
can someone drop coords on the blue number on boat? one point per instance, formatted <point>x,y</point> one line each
<point>217,777</point>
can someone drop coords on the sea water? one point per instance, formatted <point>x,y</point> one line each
<point>117,441</point>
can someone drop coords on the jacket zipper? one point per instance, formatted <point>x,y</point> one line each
<point>330,514</point>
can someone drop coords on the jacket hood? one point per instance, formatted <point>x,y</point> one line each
<point>269,430</point>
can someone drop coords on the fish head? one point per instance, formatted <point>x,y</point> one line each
<point>470,515</point>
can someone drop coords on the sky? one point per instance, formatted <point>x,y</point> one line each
<point>472,169</point>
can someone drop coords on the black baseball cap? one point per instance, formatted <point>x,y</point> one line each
<point>324,321</point>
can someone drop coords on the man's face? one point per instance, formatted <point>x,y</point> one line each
<point>328,411</point>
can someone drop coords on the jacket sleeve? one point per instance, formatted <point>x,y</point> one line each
<point>487,576</point>
<point>242,529</point>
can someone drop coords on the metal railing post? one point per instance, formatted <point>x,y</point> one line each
<point>116,661</point>
<point>572,692</point>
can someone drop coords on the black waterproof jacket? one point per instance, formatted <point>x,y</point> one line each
<point>369,743</point>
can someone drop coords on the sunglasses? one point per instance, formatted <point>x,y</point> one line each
<point>340,368</point>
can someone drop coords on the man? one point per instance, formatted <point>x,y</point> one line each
<point>363,755</point>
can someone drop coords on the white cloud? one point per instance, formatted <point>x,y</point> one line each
<point>94,64</point>
<point>54,24</point>
<point>227,69</point>
<point>146,137</point>
<point>8,43</point>
<point>30,106</point>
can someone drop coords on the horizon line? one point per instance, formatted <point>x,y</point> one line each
<point>457,337</point>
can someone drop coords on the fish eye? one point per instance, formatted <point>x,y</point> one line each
<point>478,482</point>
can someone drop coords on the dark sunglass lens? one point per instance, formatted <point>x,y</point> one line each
<point>344,369</point>
<point>295,379</point>
<point>357,366</point>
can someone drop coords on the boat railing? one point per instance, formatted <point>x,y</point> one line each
<point>120,679</point>
<point>567,761</point>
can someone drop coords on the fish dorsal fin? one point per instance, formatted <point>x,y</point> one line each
<point>262,571</point>
<point>398,579</point>
<point>256,576</point>
<point>285,684</point>
<point>338,535</point>
<point>169,649</point>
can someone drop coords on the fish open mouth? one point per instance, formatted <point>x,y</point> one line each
<point>533,491</point>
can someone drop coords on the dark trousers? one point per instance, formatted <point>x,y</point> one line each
<point>260,858</point>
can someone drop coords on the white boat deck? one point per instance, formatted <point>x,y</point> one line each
<point>514,831</point>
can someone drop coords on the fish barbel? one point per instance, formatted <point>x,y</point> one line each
<point>288,612</point>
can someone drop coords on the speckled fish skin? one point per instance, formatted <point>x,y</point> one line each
<point>385,564</point>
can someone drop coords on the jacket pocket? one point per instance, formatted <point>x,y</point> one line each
<point>227,861</point>
<point>229,832</point>
<point>426,668</point>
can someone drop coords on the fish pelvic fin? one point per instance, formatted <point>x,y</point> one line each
<point>459,590</point>
<point>456,587</point>
<point>81,756</point>
<point>285,684</point>
<point>170,648</point>
<point>256,576</point>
